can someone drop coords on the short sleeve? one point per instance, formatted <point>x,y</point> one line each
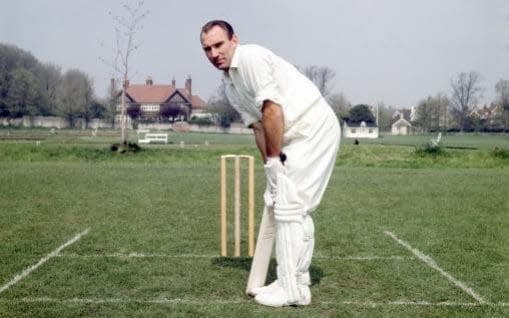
<point>258,68</point>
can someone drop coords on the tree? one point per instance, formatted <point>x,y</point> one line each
<point>74,97</point>
<point>385,116</point>
<point>423,115</point>
<point>361,113</point>
<point>50,77</point>
<point>20,66</point>
<point>502,89</point>
<point>432,113</point>
<point>322,76</point>
<point>23,94</point>
<point>224,112</point>
<point>126,27</point>
<point>466,91</point>
<point>111,103</point>
<point>339,104</point>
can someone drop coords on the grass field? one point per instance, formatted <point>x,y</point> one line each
<point>86,232</point>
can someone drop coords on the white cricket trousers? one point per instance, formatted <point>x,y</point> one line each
<point>311,145</point>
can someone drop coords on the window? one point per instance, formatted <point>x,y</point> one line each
<point>353,130</point>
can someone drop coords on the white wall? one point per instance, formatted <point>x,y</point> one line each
<point>360,132</point>
<point>61,123</point>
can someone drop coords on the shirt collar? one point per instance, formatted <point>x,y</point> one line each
<point>235,59</point>
<point>233,65</point>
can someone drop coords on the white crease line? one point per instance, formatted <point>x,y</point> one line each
<point>404,303</point>
<point>364,258</point>
<point>136,255</point>
<point>431,263</point>
<point>43,260</point>
<point>122,301</point>
<point>236,301</point>
<point>152,255</point>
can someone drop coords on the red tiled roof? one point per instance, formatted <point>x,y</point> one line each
<point>158,94</point>
<point>150,93</point>
<point>197,102</point>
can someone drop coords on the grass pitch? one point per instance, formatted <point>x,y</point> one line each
<point>397,235</point>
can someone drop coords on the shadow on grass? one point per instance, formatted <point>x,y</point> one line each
<point>244,263</point>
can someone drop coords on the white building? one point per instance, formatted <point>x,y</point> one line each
<point>360,131</point>
<point>401,127</point>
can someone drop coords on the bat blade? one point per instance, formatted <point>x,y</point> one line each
<point>263,252</point>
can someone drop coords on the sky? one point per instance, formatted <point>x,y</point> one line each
<point>393,51</point>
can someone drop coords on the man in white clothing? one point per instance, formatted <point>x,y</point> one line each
<point>298,136</point>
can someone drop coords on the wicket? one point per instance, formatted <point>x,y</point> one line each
<point>237,159</point>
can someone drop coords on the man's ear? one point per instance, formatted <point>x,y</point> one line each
<point>235,39</point>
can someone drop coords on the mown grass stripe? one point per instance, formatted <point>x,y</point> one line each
<point>43,260</point>
<point>431,263</point>
<point>184,301</point>
<point>156,255</point>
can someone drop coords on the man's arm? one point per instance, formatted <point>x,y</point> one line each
<point>269,131</point>
<point>273,127</point>
<point>260,139</point>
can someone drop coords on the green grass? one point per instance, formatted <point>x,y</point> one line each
<point>448,140</point>
<point>164,201</point>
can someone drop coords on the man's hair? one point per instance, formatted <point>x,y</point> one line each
<point>220,23</point>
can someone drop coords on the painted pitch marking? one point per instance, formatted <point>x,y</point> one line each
<point>43,260</point>
<point>184,301</point>
<point>157,255</point>
<point>431,263</point>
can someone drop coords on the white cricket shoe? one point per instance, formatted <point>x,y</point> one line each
<point>265,289</point>
<point>278,297</point>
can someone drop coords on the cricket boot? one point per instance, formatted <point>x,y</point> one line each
<point>265,289</point>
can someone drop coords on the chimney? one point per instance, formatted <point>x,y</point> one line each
<point>189,87</point>
<point>126,83</point>
<point>173,82</point>
<point>149,81</point>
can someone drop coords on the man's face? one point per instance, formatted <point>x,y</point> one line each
<point>218,48</point>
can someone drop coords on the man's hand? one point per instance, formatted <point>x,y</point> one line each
<point>273,167</point>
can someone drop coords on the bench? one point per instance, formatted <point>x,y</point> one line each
<point>154,138</point>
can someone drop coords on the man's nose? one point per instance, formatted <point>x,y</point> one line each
<point>214,52</point>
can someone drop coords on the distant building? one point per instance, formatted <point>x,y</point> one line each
<point>401,121</point>
<point>158,101</point>
<point>362,130</point>
<point>401,127</point>
<point>487,113</point>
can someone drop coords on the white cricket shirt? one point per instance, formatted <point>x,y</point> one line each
<point>256,74</point>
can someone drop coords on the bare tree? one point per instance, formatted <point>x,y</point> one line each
<point>127,26</point>
<point>385,116</point>
<point>339,104</point>
<point>502,89</point>
<point>466,91</point>
<point>322,76</point>
<point>432,113</point>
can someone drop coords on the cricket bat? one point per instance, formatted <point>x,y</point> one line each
<point>263,251</point>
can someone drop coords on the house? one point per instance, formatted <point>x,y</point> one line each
<point>401,127</point>
<point>400,121</point>
<point>362,130</point>
<point>409,114</point>
<point>488,113</point>
<point>163,102</point>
